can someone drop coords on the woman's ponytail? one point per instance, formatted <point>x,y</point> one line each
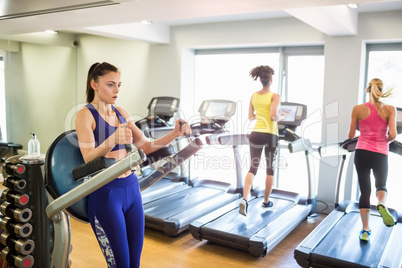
<point>375,89</point>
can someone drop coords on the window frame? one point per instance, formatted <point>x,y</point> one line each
<point>284,53</point>
<point>377,47</point>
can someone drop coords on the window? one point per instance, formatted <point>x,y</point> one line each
<point>384,62</point>
<point>224,74</point>
<point>3,132</point>
<point>303,78</point>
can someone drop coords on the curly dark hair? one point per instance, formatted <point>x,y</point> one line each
<point>264,72</point>
<point>95,71</point>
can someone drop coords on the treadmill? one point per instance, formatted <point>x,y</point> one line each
<point>335,242</point>
<point>173,213</point>
<point>159,122</point>
<point>263,229</point>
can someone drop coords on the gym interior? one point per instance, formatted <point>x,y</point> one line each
<point>324,55</point>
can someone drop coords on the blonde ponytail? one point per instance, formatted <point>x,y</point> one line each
<point>375,89</point>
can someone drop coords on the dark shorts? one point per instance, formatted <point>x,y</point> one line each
<point>269,143</point>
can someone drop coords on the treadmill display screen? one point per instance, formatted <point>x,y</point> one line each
<point>287,113</point>
<point>216,109</point>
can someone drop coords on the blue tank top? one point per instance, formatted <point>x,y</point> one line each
<point>103,130</point>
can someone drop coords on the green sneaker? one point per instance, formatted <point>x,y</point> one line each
<point>386,216</point>
<point>365,235</point>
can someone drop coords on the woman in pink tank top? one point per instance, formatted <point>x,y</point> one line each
<point>377,125</point>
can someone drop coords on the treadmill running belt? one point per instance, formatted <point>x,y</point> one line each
<point>343,248</point>
<point>235,224</point>
<point>182,201</point>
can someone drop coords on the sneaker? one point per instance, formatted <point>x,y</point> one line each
<point>267,205</point>
<point>365,235</point>
<point>386,216</point>
<point>243,206</point>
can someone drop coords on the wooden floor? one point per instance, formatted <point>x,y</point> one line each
<point>185,251</point>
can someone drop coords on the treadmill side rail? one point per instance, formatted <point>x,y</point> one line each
<point>303,250</point>
<point>393,251</point>
<point>196,226</point>
<point>267,238</point>
<point>180,222</point>
<point>171,163</point>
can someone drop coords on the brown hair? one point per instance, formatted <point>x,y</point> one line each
<point>264,72</point>
<point>95,71</point>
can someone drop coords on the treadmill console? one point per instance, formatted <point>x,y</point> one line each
<point>214,114</point>
<point>290,116</point>
<point>160,113</point>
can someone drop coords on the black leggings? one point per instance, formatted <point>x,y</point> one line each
<point>258,141</point>
<point>365,161</point>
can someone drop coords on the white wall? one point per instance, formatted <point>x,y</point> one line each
<point>40,87</point>
<point>132,58</point>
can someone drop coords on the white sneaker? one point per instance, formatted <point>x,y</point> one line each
<point>243,206</point>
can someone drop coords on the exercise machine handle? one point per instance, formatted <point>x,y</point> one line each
<point>102,178</point>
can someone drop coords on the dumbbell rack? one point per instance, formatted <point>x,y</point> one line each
<point>37,224</point>
<point>27,233</point>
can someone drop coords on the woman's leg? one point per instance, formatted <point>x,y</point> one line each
<point>364,215</point>
<point>270,158</point>
<point>247,185</point>
<point>117,218</point>
<point>135,225</point>
<point>255,155</point>
<point>256,141</point>
<point>363,173</point>
<point>380,171</point>
<point>105,212</point>
<point>269,183</point>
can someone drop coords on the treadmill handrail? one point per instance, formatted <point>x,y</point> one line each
<point>132,160</point>
<point>228,139</point>
<point>350,145</point>
<point>234,140</point>
<point>171,163</point>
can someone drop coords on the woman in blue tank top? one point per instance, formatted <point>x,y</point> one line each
<point>115,210</point>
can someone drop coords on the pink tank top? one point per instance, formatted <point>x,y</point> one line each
<point>373,132</point>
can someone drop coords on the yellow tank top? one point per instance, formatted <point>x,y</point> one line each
<point>262,107</point>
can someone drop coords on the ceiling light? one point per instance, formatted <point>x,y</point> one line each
<point>353,5</point>
<point>146,22</point>
<point>51,32</point>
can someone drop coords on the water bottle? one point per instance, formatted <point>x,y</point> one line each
<point>33,147</point>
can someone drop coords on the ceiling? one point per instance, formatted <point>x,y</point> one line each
<point>121,18</point>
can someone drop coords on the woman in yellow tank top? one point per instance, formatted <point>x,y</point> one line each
<point>263,108</point>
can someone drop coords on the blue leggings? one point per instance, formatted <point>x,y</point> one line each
<point>116,215</point>
<point>365,161</point>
